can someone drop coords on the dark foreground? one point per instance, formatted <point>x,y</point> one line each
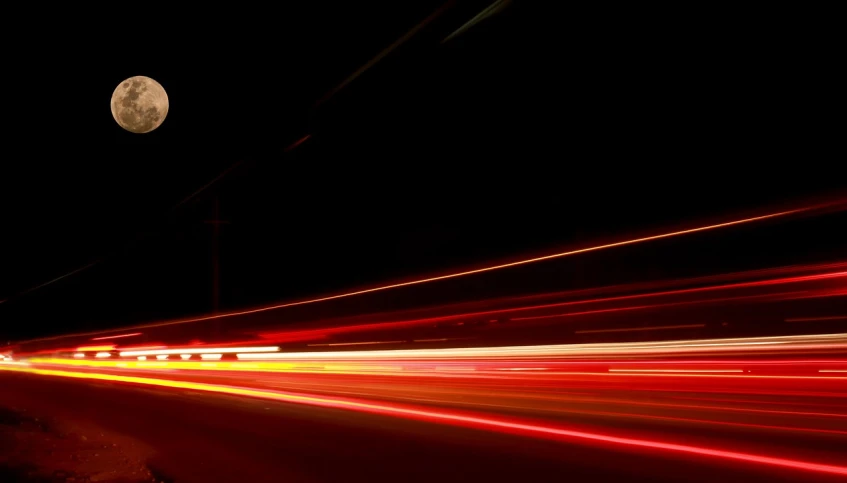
<point>110,432</point>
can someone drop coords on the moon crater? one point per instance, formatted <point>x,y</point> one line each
<point>139,104</point>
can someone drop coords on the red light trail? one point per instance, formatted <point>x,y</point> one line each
<point>121,336</point>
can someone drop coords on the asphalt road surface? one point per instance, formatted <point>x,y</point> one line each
<point>203,437</point>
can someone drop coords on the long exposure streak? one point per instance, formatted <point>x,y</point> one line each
<point>120,336</point>
<point>205,350</point>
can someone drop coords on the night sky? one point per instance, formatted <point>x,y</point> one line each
<point>533,131</point>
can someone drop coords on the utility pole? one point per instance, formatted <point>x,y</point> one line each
<point>216,223</point>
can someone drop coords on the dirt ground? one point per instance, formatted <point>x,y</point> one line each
<point>37,449</point>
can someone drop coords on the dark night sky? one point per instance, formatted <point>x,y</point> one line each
<point>535,130</point>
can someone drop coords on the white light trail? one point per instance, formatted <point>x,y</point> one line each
<point>268,355</point>
<point>218,350</point>
<point>576,350</point>
<point>704,371</point>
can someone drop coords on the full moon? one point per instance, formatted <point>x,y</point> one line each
<point>139,104</point>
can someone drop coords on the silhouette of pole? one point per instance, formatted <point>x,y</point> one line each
<point>216,223</point>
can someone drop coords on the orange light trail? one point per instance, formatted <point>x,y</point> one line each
<point>456,418</point>
<point>817,319</point>
<point>117,336</point>
<point>143,347</point>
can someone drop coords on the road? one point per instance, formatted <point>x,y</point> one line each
<point>201,436</point>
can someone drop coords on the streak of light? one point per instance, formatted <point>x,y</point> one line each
<point>162,357</point>
<point>322,333</point>
<point>725,408</point>
<point>681,371</point>
<point>185,357</point>
<point>639,329</point>
<point>214,357</point>
<point>465,273</point>
<point>117,336</point>
<point>101,355</point>
<point>205,350</point>
<point>142,358</point>
<point>391,48</point>
<point>297,143</point>
<point>357,343</point>
<point>92,348</point>
<point>509,425</point>
<point>666,305</point>
<point>716,376</point>
<point>816,319</point>
<point>431,340</point>
<point>265,355</point>
<point>831,370</point>
<point>711,422</point>
<point>143,347</point>
<point>54,280</point>
<point>492,9</point>
<point>748,343</point>
<point>79,355</point>
<point>322,367</point>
